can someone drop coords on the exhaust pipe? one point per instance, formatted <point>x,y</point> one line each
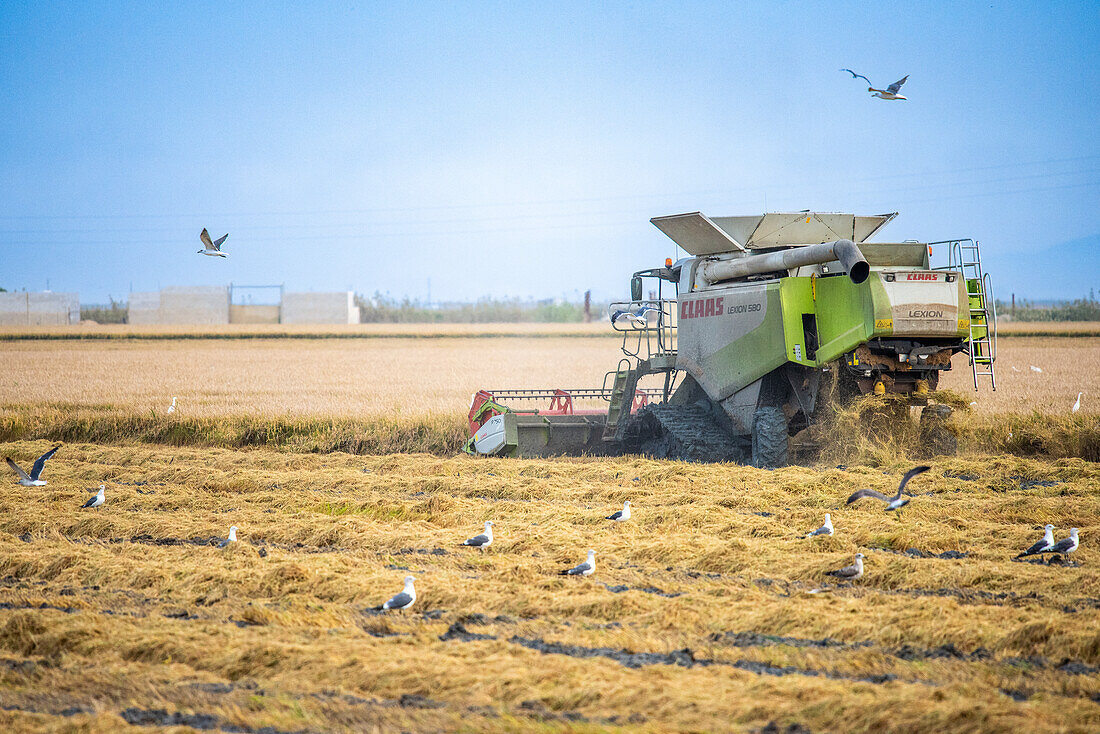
<point>845,251</point>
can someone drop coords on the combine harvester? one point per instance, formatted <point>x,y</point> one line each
<point>762,312</point>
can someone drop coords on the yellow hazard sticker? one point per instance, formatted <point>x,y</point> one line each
<point>964,324</point>
<point>884,323</point>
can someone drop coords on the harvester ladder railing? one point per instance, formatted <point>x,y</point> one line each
<point>657,338</point>
<point>965,257</point>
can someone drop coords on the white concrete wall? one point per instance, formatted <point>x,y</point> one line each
<point>320,308</point>
<point>143,308</point>
<point>39,309</point>
<point>194,305</point>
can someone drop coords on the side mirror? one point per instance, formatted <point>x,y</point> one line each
<point>636,288</point>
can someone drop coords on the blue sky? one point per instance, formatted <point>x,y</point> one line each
<point>513,149</point>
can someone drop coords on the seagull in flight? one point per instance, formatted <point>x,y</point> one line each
<point>231,539</point>
<point>621,515</point>
<point>213,247</point>
<point>637,318</point>
<point>891,92</point>
<point>1043,545</point>
<point>483,540</point>
<point>1077,405</point>
<point>96,501</point>
<point>32,479</point>
<point>850,573</point>
<point>826,529</point>
<point>892,503</point>
<point>1068,545</point>
<point>403,600</point>
<point>172,407</point>
<point>583,569</point>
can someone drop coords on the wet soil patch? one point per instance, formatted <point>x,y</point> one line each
<point>203,722</point>
<point>918,553</point>
<point>620,588</point>
<point>458,631</point>
<point>1055,560</point>
<point>755,639</point>
<point>947,651</point>
<point>773,728</point>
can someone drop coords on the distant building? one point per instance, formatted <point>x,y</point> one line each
<point>39,309</point>
<point>208,305</point>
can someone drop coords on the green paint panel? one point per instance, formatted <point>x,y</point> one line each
<point>843,311</point>
<point>754,355</point>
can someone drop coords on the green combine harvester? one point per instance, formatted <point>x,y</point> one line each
<point>766,311</point>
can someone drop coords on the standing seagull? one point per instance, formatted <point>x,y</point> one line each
<point>826,529</point>
<point>405,599</point>
<point>483,540</point>
<point>172,407</point>
<point>638,318</point>
<point>213,248</point>
<point>231,539</point>
<point>1041,545</point>
<point>891,92</point>
<point>96,501</point>
<point>850,573</point>
<point>32,479</point>
<point>1077,405</point>
<point>621,515</point>
<point>583,569</point>
<point>895,502</point>
<point>1067,545</point>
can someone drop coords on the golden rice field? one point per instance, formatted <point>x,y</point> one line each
<point>707,611</point>
<point>408,376</point>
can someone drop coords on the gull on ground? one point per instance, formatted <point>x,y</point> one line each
<point>849,572</point>
<point>1014,368</point>
<point>583,569</point>
<point>404,599</point>
<point>891,92</point>
<point>484,539</point>
<point>231,539</point>
<point>620,515</point>
<point>172,407</point>
<point>212,248</point>
<point>1077,405</point>
<point>1041,545</point>
<point>1066,545</point>
<point>32,479</point>
<point>826,529</point>
<point>895,502</point>
<point>96,501</point>
<point>1036,369</point>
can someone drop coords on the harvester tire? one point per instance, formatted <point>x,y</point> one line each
<point>769,438</point>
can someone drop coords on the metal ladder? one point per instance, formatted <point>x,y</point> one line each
<point>966,257</point>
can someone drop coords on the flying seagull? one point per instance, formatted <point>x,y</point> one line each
<point>1067,545</point>
<point>852,572</point>
<point>826,529</point>
<point>1041,545</point>
<point>213,248</point>
<point>405,599</point>
<point>583,569</point>
<point>1077,405</point>
<point>32,479</point>
<point>231,539</point>
<point>1036,369</point>
<point>891,92</point>
<point>96,501</point>
<point>172,407</point>
<point>638,318</point>
<point>620,515</point>
<point>483,540</point>
<point>895,502</point>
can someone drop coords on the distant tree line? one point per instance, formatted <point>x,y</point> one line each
<point>1081,309</point>
<point>384,309</point>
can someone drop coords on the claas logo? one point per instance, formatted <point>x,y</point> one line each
<point>921,276</point>
<point>701,308</point>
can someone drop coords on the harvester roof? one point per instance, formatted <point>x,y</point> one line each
<point>703,235</point>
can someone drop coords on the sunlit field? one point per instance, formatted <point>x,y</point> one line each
<point>707,610</point>
<point>408,376</point>
<point>338,461</point>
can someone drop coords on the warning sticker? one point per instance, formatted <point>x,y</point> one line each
<point>884,323</point>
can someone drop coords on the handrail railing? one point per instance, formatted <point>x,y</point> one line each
<point>648,327</point>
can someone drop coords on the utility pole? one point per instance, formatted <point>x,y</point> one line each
<point>587,307</point>
<point>1013,306</point>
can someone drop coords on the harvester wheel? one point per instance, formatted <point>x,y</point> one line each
<point>769,438</point>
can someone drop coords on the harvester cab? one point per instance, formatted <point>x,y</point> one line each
<point>763,312</point>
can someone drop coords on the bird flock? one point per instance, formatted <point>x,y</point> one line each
<point>407,596</point>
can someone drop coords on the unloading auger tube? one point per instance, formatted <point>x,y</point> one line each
<point>845,251</point>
